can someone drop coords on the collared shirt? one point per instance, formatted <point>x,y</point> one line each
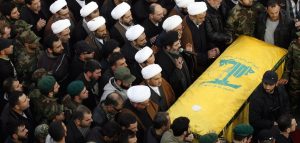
<point>156,89</point>
<point>100,40</point>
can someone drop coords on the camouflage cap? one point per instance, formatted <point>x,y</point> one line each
<point>21,26</point>
<point>123,74</point>
<point>29,37</point>
<point>41,131</point>
<point>52,110</point>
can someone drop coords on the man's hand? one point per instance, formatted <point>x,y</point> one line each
<point>40,24</point>
<point>212,54</point>
<point>189,47</point>
<point>189,138</point>
<point>282,81</point>
<point>179,62</point>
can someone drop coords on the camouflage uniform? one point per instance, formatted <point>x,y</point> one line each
<point>25,60</point>
<point>44,108</point>
<point>242,20</point>
<point>70,106</point>
<point>292,73</point>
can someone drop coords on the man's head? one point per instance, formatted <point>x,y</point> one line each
<point>110,46</point>
<point>127,121</point>
<point>139,96</point>
<point>111,131</point>
<point>122,13</point>
<point>41,132</point>
<point>6,47</point>
<point>162,121</point>
<point>92,69</point>
<point>17,131</point>
<point>33,5</point>
<point>60,9</point>
<point>273,10</point>
<point>5,29</point>
<point>48,85</point>
<point>117,60</point>
<point>54,45</point>
<point>136,35</point>
<point>127,136</point>
<point>182,5</point>
<point>269,81</point>
<point>156,13</point>
<point>11,84</point>
<point>286,123</point>
<point>18,101</point>
<point>84,51</point>
<point>152,75</point>
<point>90,11</point>
<point>170,41</point>
<point>76,89</point>
<point>113,103</point>
<point>62,30</point>
<point>243,133</point>
<point>30,40</point>
<point>214,3</point>
<point>173,23</point>
<point>197,12</point>
<point>246,3</point>
<point>145,56</point>
<point>82,117</point>
<point>123,77</point>
<point>97,25</point>
<point>266,136</point>
<point>10,10</point>
<point>180,126</point>
<point>57,130</point>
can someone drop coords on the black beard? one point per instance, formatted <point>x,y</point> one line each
<point>124,87</point>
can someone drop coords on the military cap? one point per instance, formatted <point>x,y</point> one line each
<point>29,37</point>
<point>41,131</point>
<point>123,74</point>
<point>243,130</point>
<point>75,87</point>
<point>46,83</point>
<point>208,138</point>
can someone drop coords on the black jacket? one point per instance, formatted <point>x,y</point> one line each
<point>73,134</point>
<point>284,32</point>
<point>215,22</point>
<point>10,116</point>
<point>264,108</point>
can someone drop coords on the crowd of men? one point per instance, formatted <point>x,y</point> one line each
<point>106,71</point>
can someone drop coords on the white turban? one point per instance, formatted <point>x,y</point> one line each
<point>143,54</point>
<point>95,23</point>
<point>138,93</point>
<point>151,71</point>
<point>134,32</point>
<point>88,9</point>
<point>60,25</point>
<point>172,22</point>
<point>57,5</point>
<point>196,8</point>
<point>120,10</point>
<point>183,3</point>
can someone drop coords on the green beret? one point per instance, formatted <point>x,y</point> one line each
<point>75,87</point>
<point>208,138</point>
<point>46,83</point>
<point>243,130</point>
